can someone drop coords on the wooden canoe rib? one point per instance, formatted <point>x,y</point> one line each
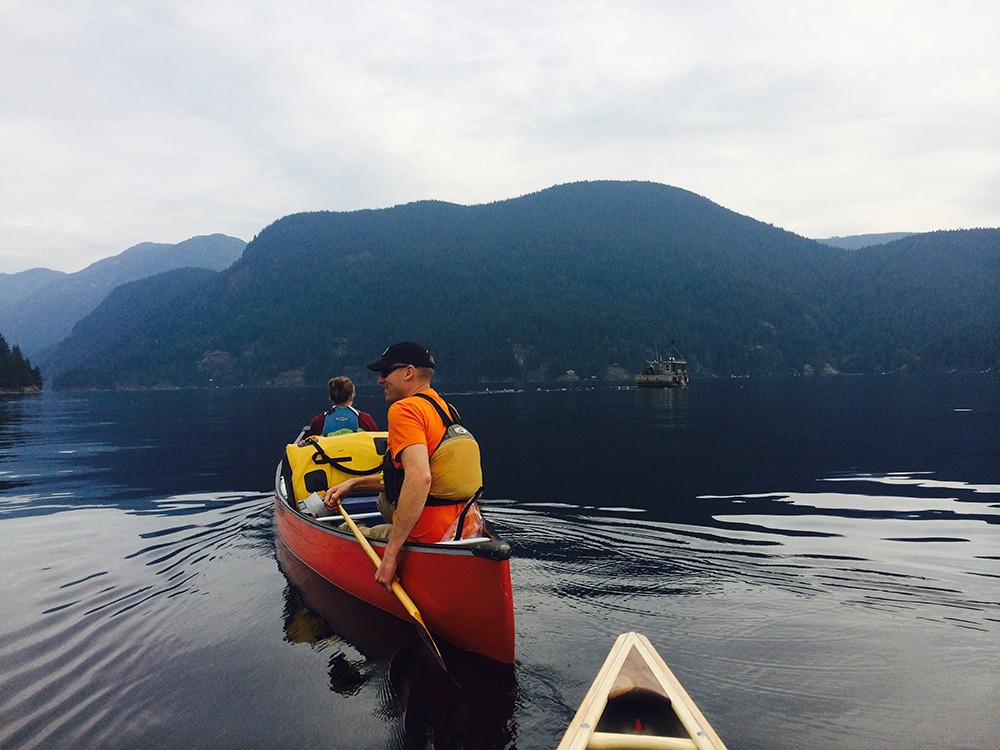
<point>636,703</point>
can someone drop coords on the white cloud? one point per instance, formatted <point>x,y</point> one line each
<point>133,121</point>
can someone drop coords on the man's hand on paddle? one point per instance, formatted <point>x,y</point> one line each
<point>337,493</point>
<point>386,572</point>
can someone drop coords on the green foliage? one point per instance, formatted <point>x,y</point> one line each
<point>16,372</point>
<point>581,277</point>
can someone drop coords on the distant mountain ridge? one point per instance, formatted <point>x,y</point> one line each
<point>14,287</point>
<point>38,307</point>
<point>859,241</point>
<point>591,277</point>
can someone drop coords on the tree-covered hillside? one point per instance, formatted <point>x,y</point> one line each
<point>125,311</point>
<point>928,301</point>
<point>16,373</point>
<point>583,276</point>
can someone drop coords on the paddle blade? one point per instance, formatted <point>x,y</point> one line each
<point>425,636</point>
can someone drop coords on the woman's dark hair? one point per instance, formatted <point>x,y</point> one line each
<point>341,389</point>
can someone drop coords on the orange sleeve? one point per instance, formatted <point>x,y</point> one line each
<point>413,421</point>
<point>407,426</point>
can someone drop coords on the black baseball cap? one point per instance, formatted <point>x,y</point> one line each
<point>403,353</point>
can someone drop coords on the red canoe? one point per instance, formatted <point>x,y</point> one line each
<point>461,588</point>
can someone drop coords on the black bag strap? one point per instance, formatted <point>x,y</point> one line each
<point>465,512</point>
<point>320,457</point>
<point>448,422</point>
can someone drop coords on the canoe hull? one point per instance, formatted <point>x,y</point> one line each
<point>463,592</point>
<point>637,703</point>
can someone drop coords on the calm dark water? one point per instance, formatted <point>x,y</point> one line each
<point>817,559</point>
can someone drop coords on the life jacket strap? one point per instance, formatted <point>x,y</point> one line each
<point>448,420</point>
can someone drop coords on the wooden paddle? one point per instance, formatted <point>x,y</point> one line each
<point>403,597</point>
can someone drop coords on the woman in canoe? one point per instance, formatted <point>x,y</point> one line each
<point>341,415</point>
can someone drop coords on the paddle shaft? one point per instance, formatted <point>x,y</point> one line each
<point>397,589</point>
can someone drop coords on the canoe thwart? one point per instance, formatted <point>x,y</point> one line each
<point>615,741</point>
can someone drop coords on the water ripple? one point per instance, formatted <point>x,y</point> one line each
<point>924,551</point>
<point>79,640</point>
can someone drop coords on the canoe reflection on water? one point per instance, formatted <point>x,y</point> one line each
<point>471,705</point>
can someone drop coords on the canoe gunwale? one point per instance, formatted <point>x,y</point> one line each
<point>463,589</point>
<point>488,547</point>
<point>582,733</point>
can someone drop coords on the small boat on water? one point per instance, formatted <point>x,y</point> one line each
<point>462,588</point>
<point>636,703</point>
<point>664,372</point>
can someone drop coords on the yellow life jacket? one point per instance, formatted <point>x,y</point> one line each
<point>456,467</point>
<point>317,463</point>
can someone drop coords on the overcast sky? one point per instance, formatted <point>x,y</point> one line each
<point>124,121</point>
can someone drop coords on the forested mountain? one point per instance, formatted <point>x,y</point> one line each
<point>16,373</point>
<point>928,301</point>
<point>125,310</point>
<point>38,315</point>
<point>581,276</point>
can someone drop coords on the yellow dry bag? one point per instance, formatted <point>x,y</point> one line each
<point>317,463</point>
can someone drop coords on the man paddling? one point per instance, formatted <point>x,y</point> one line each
<point>429,495</point>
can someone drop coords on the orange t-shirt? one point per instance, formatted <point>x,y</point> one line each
<point>413,421</point>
